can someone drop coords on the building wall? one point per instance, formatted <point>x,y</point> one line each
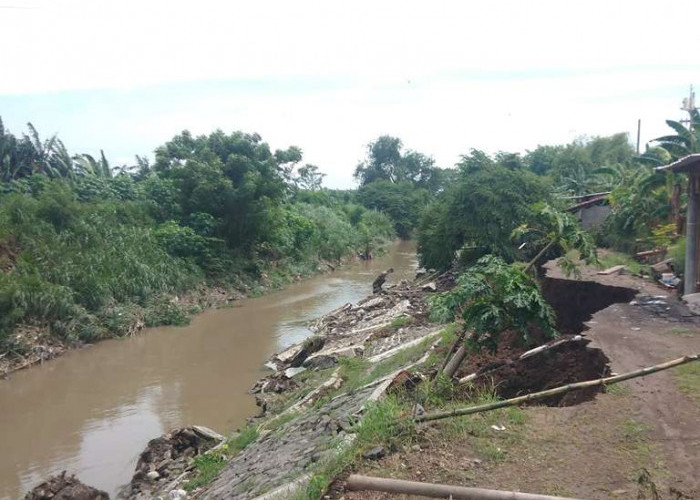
<point>593,216</point>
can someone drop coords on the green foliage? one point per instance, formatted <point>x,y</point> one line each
<point>207,467</point>
<point>638,204</point>
<point>246,436</point>
<point>181,241</point>
<point>573,167</point>
<point>688,378</point>
<point>401,321</point>
<point>162,310</point>
<point>492,297</point>
<point>610,259</point>
<point>677,255</point>
<point>685,141</point>
<point>398,183</point>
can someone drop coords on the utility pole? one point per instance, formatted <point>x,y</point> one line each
<point>639,130</point>
<point>689,106</point>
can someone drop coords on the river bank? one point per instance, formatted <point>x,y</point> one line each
<point>36,344</point>
<point>109,400</point>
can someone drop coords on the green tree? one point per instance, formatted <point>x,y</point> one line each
<point>401,201</point>
<point>387,162</point>
<point>477,214</point>
<point>309,177</point>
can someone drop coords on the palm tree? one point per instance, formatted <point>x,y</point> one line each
<point>686,141</point>
<point>88,165</point>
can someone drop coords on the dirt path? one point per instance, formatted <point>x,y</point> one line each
<point>632,339</point>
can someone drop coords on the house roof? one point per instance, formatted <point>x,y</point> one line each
<point>685,164</point>
<point>596,200</point>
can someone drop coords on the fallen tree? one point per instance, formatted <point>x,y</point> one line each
<point>359,483</point>
<point>557,390</point>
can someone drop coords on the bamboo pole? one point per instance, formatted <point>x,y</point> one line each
<point>557,390</point>
<point>357,483</point>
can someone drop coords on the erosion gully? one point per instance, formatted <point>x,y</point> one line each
<point>92,411</point>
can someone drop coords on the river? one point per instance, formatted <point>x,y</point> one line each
<point>92,411</point>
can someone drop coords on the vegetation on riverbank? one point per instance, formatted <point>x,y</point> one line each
<point>88,251</point>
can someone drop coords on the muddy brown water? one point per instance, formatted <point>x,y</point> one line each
<point>92,411</point>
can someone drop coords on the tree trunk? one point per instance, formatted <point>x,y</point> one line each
<point>539,255</point>
<point>676,215</point>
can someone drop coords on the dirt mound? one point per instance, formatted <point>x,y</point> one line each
<point>168,456</point>
<point>62,487</point>
<point>564,363</point>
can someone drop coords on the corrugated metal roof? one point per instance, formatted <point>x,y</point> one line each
<point>685,164</point>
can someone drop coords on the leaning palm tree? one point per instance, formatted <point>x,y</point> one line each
<point>686,141</point>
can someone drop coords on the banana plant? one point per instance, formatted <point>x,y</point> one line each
<point>88,165</point>
<point>552,230</point>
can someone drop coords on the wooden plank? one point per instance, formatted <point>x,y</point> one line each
<point>612,270</point>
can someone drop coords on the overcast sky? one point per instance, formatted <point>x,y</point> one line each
<point>330,76</point>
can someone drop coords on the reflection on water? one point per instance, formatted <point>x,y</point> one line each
<point>92,411</point>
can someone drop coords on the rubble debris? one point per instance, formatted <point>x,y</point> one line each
<point>63,487</point>
<point>663,307</point>
<point>275,383</point>
<point>403,382</point>
<point>321,362</point>
<point>693,302</point>
<point>669,280</point>
<point>664,266</point>
<point>374,453</point>
<point>290,372</point>
<point>167,457</point>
